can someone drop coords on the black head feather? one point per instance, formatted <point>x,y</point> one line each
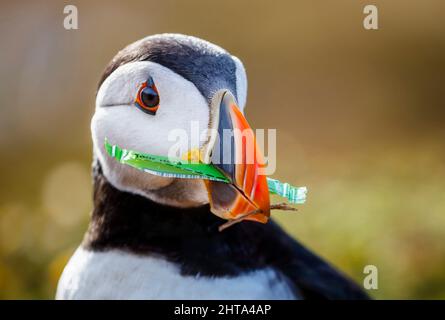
<point>208,66</point>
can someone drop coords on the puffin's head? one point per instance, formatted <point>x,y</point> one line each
<point>167,82</point>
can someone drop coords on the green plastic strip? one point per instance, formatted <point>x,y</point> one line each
<point>163,166</point>
<point>285,190</point>
<point>177,168</point>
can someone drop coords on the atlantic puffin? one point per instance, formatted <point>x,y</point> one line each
<point>153,237</point>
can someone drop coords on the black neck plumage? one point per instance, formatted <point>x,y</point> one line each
<point>189,237</point>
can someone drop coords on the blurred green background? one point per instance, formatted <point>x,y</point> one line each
<point>360,118</point>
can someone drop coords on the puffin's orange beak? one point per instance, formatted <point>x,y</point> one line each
<point>236,154</point>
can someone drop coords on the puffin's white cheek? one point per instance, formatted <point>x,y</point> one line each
<point>111,123</point>
<point>157,134</point>
<point>130,128</point>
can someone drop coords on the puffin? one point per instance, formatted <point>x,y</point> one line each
<point>157,237</point>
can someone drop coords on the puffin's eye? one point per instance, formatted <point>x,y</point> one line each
<point>147,98</point>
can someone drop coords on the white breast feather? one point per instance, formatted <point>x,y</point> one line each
<point>115,274</point>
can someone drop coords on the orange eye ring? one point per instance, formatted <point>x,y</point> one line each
<point>147,98</point>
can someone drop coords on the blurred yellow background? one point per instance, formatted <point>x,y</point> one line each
<point>360,118</point>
